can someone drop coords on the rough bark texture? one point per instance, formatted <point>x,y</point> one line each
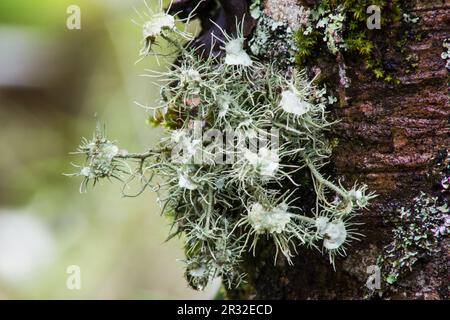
<point>389,137</point>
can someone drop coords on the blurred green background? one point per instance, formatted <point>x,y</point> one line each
<point>55,84</point>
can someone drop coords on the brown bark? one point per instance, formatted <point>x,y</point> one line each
<point>389,137</point>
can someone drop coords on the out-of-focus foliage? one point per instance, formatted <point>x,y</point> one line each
<point>55,84</point>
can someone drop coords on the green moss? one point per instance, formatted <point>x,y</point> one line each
<point>306,45</point>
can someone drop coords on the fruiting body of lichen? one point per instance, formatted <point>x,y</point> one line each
<point>292,103</point>
<point>264,221</point>
<point>235,54</point>
<point>157,23</point>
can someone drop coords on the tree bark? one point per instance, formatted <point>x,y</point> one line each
<point>389,138</point>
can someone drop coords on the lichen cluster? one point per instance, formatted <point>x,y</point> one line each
<point>329,24</point>
<point>103,161</point>
<point>418,232</point>
<point>335,29</point>
<point>225,194</point>
<point>340,26</point>
<point>274,39</point>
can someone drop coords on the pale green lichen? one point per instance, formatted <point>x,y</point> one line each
<point>236,55</point>
<point>331,25</point>
<point>103,159</point>
<point>159,25</point>
<point>225,198</point>
<point>255,9</point>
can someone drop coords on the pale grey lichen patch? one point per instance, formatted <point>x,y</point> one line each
<point>273,38</point>
<point>288,12</point>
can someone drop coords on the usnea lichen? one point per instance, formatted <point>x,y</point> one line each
<point>159,25</point>
<point>225,194</point>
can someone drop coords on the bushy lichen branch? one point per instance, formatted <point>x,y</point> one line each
<point>224,193</point>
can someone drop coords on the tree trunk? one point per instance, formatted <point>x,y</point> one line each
<point>390,137</point>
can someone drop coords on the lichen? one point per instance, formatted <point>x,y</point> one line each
<point>439,173</point>
<point>224,199</point>
<point>235,53</point>
<point>273,36</point>
<point>340,26</point>
<point>446,54</point>
<point>288,12</point>
<point>272,40</point>
<point>418,231</point>
<point>103,159</point>
<point>330,24</point>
